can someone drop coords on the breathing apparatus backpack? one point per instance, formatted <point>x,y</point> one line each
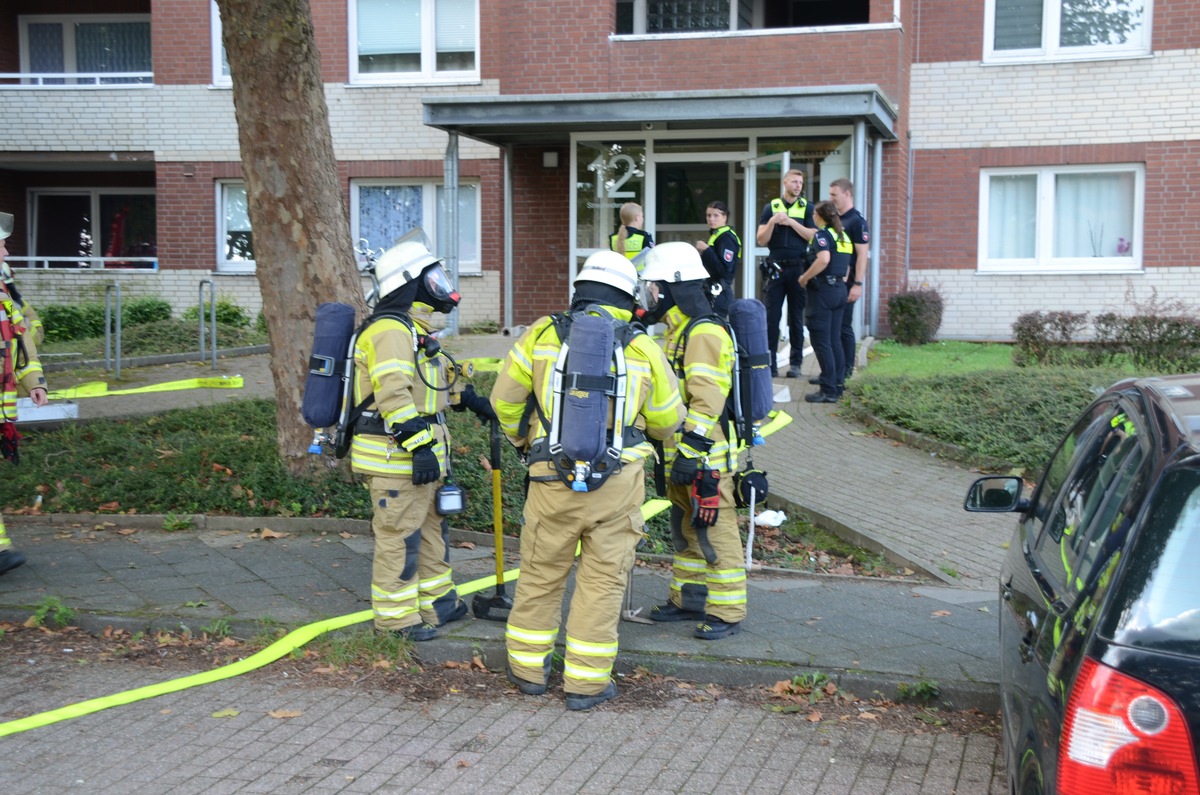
<point>589,381</point>
<point>329,386</point>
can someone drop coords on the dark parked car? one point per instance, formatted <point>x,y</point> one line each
<point>1100,600</point>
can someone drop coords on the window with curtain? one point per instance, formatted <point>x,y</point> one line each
<point>382,211</point>
<point>1066,29</point>
<point>1062,218</point>
<point>235,239</point>
<point>88,44</point>
<point>414,39</point>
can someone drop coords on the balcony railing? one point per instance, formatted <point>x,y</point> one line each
<point>76,79</point>
<point>85,263</point>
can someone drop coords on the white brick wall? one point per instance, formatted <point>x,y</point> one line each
<point>182,289</point>
<point>183,123</point>
<point>984,306</point>
<point>964,105</point>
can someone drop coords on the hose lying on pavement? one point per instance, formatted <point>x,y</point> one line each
<point>285,645</point>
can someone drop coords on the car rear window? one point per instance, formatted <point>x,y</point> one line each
<point>1156,604</point>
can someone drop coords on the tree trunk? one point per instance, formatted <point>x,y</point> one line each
<point>300,225</point>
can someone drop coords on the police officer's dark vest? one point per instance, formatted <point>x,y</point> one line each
<point>634,244</point>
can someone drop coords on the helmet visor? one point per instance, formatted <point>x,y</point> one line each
<point>650,295</point>
<point>437,286</point>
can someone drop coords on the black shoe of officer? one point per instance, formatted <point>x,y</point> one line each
<point>794,371</point>
<point>820,397</point>
<point>11,559</point>
<point>524,685</point>
<point>580,701</point>
<point>816,379</point>
<point>458,612</point>
<point>670,612</point>
<point>417,633</point>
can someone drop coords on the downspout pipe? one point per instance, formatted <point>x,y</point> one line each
<point>876,219</point>
<point>450,172</point>
<point>508,237</point>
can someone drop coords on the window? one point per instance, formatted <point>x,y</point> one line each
<point>94,228</point>
<point>91,45</point>
<point>220,63</point>
<point>1068,218</point>
<point>413,40</point>
<point>709,16</point>
<point>382,211</point>
<point>1090,505</point>
<point>1024,30</point>
<point>235,240</point>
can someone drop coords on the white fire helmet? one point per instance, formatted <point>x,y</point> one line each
<point>403,262</point>
<point>673,263</point>
<point>611,268</point>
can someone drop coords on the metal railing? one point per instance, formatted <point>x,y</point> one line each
<point>76,79</point>
<point>212,305</point>
<point>108,328</point>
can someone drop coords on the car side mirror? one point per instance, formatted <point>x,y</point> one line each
<point>995,495</point>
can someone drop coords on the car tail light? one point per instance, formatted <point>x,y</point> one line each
<point>1124,737</point>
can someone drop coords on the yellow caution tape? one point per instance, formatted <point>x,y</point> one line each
<point>93,389</point>
<point>484,364</point>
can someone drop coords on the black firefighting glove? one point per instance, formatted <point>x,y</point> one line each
<point>705,498</point>
<point>477,403</point>
<point>688,453</point>
<point>425,466</point>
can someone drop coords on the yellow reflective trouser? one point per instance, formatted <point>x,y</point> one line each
<point>608,524</point>
<point>411,580</point>
<point>708,574</point>
<point>5,543</point>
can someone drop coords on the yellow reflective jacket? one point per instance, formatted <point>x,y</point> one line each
<point>26,368</point>
<point>704,362</point>
<point>652,400</point>
<point>385,365</point>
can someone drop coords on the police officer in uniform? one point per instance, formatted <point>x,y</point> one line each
<point>721,254</point>
<point>825,280</point>
<point>630,239</point>
<point>401,443</point>
<point>708,583</point>
<point>21,371</point>
<point>841,193</point>
<point>786,227</point>
<point>605,522</point>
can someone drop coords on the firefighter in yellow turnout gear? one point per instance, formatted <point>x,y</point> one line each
<point>708,583</point>
<point>21,372</point>
<point>401,443</point>
<point>605,521</point>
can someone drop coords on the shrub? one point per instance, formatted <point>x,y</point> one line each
<point>140,311</point>
<point>260,323</point>
<point>72,321</point>
<point>228,313</point>
<point>1046,337</point>
<point>915,315</point>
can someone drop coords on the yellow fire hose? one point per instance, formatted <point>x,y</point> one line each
<point>94,389</point>
<point>288,643</point>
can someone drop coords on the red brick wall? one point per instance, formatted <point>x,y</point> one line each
<point>945,231</point>
<point>953,31</point>
<point>541,245</point>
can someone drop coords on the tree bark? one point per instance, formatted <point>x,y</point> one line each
<point>297,212</point>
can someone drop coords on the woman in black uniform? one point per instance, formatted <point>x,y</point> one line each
<point>825,280</point>
<point>721,254</point>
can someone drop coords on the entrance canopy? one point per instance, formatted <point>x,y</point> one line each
<point>549,119</point>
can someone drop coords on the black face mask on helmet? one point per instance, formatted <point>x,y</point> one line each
<point>692,298</point>
<point>434,288</point>
<point>588,292</point>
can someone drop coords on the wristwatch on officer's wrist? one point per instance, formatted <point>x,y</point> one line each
<point>857,283</point>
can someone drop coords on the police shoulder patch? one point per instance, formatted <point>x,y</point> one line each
<point>728,255</point>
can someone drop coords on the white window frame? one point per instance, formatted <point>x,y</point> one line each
<point>429,72</point>
<point>1043,261</point>
<point>68,22</point>
<point>228,265</point>
<point>429,209</point>
<point>219,78</point>
<point>1051,50</point>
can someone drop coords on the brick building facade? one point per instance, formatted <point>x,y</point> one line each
<point>1014,163</point>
